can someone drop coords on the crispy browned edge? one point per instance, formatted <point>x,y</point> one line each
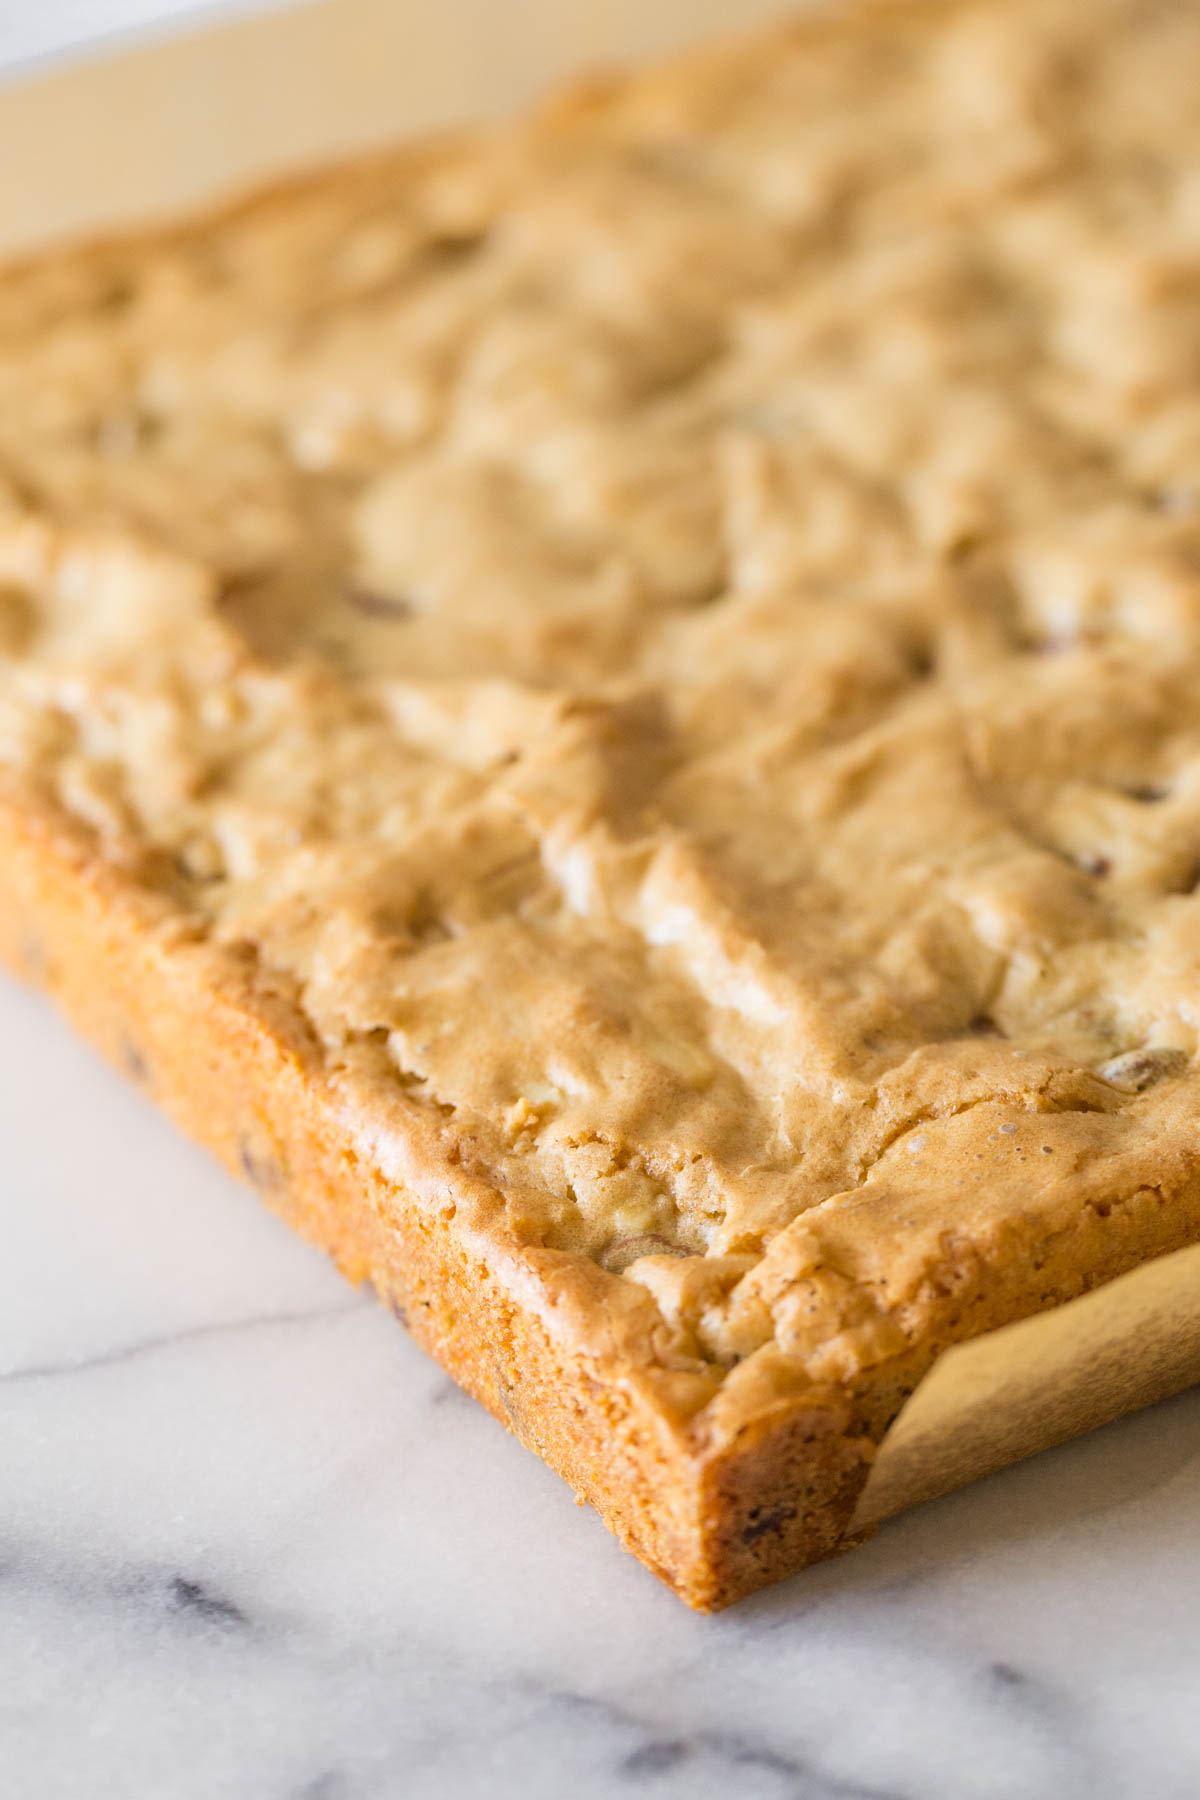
<point>226,1061</point>
<point>717,1501</point>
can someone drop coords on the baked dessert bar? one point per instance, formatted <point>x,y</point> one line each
<point>610,712</point>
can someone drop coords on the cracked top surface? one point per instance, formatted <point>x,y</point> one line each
<point>674,632</point>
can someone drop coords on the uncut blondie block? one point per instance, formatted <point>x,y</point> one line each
<point>610,712</point>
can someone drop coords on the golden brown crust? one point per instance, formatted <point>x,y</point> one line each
<point>611,716</point>
<point>776,1486</point>
<point>229,1066</point>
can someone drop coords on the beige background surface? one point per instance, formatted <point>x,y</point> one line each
<point>163,124</point>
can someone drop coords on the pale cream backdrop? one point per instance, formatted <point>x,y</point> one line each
<point>109,112</point>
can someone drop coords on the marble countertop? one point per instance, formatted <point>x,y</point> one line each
<point>255,1546</point>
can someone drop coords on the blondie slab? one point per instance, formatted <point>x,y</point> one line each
<point>610,711</point>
